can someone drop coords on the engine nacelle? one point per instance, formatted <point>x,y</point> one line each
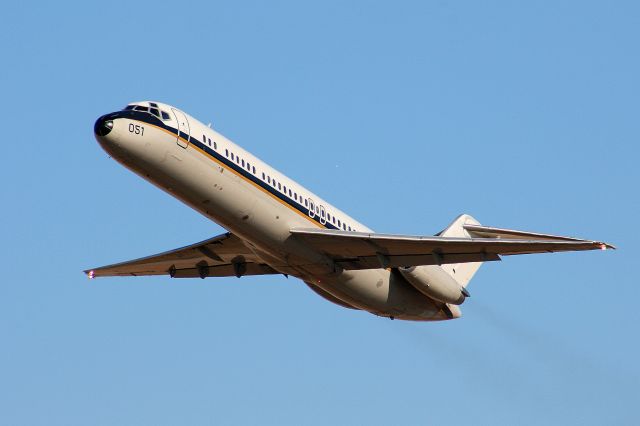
<point>433,281</point>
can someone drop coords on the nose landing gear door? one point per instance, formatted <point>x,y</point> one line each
<point>183,127</point>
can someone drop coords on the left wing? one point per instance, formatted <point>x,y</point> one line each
<point>221,256</point>
<point>363,250</point>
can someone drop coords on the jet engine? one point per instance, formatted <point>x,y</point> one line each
<point>433,281</point>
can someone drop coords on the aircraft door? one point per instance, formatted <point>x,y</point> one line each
<point>183,127</point>
<point>323,215</point>
<point>312,208</point>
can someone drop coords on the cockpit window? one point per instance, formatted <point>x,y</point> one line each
<point>163,115</point>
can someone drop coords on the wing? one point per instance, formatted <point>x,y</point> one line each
<point>361,250</point>
<point>221,256</point>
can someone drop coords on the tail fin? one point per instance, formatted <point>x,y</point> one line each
<point>461,272</point>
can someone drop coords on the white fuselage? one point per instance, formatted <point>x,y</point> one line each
<point>258,204</point>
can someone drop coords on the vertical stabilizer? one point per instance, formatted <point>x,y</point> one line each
<point>461,272</point>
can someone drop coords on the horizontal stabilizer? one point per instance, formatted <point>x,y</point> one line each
<point>480,231</point>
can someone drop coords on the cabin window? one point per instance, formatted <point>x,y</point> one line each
<point>153,104</point>
<point>155,111</point>
<point>279,186</point>
<point>242,163</point>
<point>226,153</point>
<point>215,145</point>
<point>329,217</point>
<point>289,192</point>
<point>285,190</point>
<point>165,116</point>
<point>263,177</point>
<point>232,156</point>
<point>254,169</point>
<point>306,203</point>
<point>204,139</point>
<point>129,107</point>
<point>141,108</point>
<point>269,179</point>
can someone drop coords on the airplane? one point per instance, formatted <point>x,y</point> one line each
<point>276,226</point>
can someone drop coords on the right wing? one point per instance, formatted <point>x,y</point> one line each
<point>221,256</point>
<point>364,250</point>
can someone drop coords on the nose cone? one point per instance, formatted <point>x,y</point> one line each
<point>103,126</point>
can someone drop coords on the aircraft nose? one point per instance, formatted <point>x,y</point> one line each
<point>103,126</point>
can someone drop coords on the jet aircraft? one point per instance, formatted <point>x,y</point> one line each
<point>276,226</point>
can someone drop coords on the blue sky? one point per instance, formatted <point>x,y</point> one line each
<point>404,115</point>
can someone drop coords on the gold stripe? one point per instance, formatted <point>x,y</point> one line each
<point>237,174</point>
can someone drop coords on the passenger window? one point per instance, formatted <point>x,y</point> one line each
<point>306,203</point>
<point>226,153</point>
<point>279,186</point>
<point>285,190</point>
<point>289,193</point>
<point>262,176</point>
<point>269,179</point>
<point>242,163</point>
<point>215,145</point>
<point>254,169</point>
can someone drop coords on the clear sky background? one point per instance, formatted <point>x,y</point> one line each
<point>404,115</point>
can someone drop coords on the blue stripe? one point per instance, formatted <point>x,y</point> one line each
<point>151,119</point>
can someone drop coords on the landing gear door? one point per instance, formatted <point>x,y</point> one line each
<point>183,127</point>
